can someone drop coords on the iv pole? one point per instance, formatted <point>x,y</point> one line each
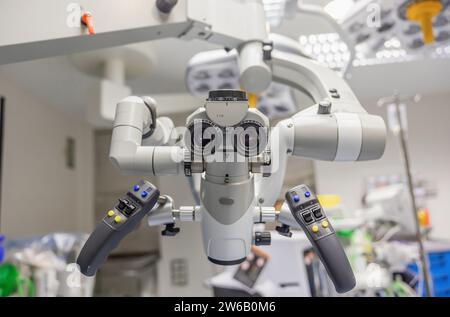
<point>396,100</point>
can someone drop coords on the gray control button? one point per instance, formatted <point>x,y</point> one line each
<point>307,217</point>
<point>317,213</point>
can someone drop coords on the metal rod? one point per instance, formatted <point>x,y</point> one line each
<point>419,238</point>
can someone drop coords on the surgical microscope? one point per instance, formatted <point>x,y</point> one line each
<point>242,162</point>
<point>240,158</point>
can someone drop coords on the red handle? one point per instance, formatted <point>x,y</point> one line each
<point>88,21</point>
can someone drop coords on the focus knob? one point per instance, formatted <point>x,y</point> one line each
<point>227,95</point>
<point>262,238</point>
<point>165,6</point>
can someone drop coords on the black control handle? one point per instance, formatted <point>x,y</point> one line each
<point>309,214</point>
<point>119,222</point>
<point>97,248</point>
<point>336,263</point>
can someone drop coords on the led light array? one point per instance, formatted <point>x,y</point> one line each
<point>373,22</point>
<point>329,50</point>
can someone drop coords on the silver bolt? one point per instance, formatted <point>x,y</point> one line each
<point>162,199</point>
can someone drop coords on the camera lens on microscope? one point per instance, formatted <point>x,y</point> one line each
<point>201,134</point>
<point>251,138</point>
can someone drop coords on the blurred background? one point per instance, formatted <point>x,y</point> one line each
<point>57,181</point>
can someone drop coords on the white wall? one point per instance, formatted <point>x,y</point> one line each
<point>429,144</point>
<point>39,193</point>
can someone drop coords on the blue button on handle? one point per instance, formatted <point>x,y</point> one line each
<point>144,194</point>
<point>307,194</point>
<point>136,188</point>
<point>296,198</point>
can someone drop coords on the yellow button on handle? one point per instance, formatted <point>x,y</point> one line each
<point>111,213</point>
<point>118,219</point>
<point>315,228</point>
<point>325,224</point>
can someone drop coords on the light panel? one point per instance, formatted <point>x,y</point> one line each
<point>219,69</point>
<point>330,51</point>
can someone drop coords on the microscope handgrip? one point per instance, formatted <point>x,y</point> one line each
<point>336,263</point>
<point>308,213</point>
<point>97,248</point>
<point>118,223</point>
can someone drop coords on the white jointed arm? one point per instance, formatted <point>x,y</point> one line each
<point>316,81</point>
<point>337,127</point>
<point>132,123</point>
<point>165,213</point>
<point>285,217</point>
<point>267,189</point>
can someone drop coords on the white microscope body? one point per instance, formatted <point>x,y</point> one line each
<point>218,143</point>
<point>225,139</point>
<point>238,186</point>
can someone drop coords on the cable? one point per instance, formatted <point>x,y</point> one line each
<point>388,234</point>
<point>194,191</point>
<point>414,280</point>
<point>401,289</point>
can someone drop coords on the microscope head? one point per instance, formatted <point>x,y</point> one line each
<point>227,124</point>
<point>225,138</point>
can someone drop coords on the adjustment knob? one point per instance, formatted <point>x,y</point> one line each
<point>165,6</point>
<point>284,230</point>
<point>170,230</point>
<point>227,95</point>
<point>324,107</point>
<point>262,238</point>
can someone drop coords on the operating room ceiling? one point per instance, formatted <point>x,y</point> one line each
<point>58,83</point>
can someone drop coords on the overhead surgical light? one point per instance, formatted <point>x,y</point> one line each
<point>333,53</point>
<point>339,9</point>
<point>414,23</point>
<point>218,69</point>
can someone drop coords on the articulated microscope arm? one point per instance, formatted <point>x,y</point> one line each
<point>336,128</point>
<point>133,126</point>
